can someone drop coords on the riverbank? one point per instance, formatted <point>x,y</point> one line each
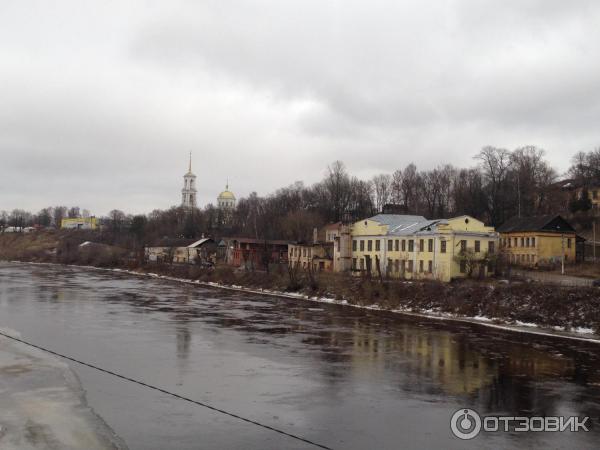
<point>518,305</point>
<point>42,404</point>
<point>580,333</point>
<point>439,305</point>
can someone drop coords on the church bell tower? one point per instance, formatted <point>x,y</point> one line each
<point>188,193</point>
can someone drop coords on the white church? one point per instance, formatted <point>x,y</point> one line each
<point>226,199</point>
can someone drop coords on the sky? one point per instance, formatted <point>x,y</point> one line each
<point>102,101</point>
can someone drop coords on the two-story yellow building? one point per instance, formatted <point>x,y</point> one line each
<point>79,223</point>
<point>413,247</point>
<point>538,240</point>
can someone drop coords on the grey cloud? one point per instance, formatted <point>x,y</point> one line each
<point>101,105</point>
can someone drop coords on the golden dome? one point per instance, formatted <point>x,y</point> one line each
<point>226,195</point>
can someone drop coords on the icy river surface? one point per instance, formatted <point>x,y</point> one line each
<point>342,377</point>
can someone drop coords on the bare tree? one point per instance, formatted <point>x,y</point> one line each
<point>381,189</point>
<point>495,163</point>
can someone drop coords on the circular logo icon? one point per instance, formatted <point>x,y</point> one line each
<point>465,424</point>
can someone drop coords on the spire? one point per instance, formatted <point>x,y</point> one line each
<point>190,168</point>
<point>227,185</point>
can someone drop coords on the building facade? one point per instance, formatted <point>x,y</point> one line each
<point>413,247</point>
<point>538,240</point>
<point>316,255</point>
<point>254,253</point>
<point>202,251</point>
<point>79,223</point>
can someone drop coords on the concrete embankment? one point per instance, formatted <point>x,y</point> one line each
<point>42,404</point>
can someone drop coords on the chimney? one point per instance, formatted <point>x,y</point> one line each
<point>315,235</point>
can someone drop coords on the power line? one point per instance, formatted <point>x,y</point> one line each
<point>164,391</point>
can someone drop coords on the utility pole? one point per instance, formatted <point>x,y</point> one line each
<point>562,242</point>
<point>519,194</point>
<point>593,240</point>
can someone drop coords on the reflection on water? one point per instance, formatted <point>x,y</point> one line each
<point>332,373</point>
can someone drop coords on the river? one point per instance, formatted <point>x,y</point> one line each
<point>339,376</point>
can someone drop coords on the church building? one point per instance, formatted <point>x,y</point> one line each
<point>226,199</point>
<point>188,193</point>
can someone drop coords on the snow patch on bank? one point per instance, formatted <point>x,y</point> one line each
<point>578,333</point>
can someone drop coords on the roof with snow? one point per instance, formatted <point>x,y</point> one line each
<point>200,242</point>
<point>403,224</point>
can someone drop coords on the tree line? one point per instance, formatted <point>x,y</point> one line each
<point>502,183</point>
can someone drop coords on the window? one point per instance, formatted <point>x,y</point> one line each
<point>594,195</point>
<point>491,247</point>
<point>397,265</point>
<point>397,245</point>
<point>463,245</point>
<point>442,246</point>
<point>369,245</point>
<point>522,242</point>
<point>411,245</point>
<point>421,266</point>
<point>569,243</point>
<point>509,242</point>
<point>463,266</point>
<point>430,245</point>
<point>390,245</point>
<point>362,245</point>
<point>533,242</point>
<point>389,265</point>
<point>354,245</point>
<point>430,267</point>
<point>477,246</point>
<point>403,245</point>
<point>362,264</point>
<point>353,263</point>
<point>526,242</point>
<point>377,245</point>
<point>516,242</point>
<point>410,266</point>
<point>421,245</point>
<point>303,252</point>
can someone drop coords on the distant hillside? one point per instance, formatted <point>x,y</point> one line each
<point>62,246</point>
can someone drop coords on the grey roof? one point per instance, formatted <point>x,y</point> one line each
<point>401,224</point>
<point>396,219</point>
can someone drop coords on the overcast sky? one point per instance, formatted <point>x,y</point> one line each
<point>100,102</point>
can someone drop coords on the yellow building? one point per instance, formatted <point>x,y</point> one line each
<point>316,256</point>
<point>79,223</point>
<point>412,247</point>
<point>538,240</point>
